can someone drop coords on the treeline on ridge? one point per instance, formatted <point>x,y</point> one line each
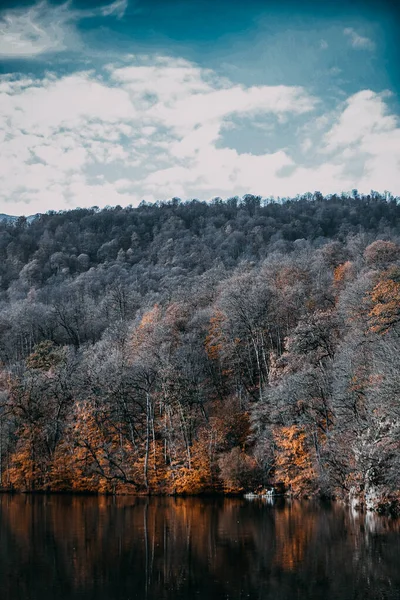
<point>204,347</point>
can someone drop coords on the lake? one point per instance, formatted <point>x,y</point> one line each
<point>103,548</point>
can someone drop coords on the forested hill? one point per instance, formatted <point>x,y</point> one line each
<point>192,235</point>
<point>191,347</point>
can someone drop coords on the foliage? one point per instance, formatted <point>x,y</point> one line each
<point>187,348</point>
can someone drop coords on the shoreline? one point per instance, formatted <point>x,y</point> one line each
<point>388,507</point>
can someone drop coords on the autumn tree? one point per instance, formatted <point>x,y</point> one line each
<point>385,298</point>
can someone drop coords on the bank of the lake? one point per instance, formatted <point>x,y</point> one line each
<point>373,500</point>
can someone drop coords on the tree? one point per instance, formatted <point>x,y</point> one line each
<point>294,461</point>
<point>385,297</point>
<point>381,253</point>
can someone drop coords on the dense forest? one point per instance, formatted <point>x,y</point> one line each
<point>192,347</point>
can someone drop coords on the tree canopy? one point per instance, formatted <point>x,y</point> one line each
<point>186,347</point>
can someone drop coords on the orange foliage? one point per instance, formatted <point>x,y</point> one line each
<point>197,478</point>
<point>343,273</point>
<point>29,465</point>
<point>150,317</point>
<point>22,472</point>
<point>146,327</point>
<point>62,473</point>
<point>385,297</point>
<point>215,338</point>
<point>97,451</point>
<point>202,474</point>
<point>294,460</point>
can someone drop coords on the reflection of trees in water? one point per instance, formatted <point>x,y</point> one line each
<point>68,547</point>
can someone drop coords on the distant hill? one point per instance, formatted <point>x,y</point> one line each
<point>13,218</point>
<point>9,218</point>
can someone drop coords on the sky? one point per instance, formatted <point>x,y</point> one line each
<point>111,103</point>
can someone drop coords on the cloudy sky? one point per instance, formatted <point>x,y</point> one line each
<point>105,103</point>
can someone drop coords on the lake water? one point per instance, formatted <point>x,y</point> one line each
<point>74,547</point>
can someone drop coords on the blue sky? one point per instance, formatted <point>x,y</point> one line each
<point>114,102</point>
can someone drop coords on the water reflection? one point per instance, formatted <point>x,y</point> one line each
<point>64,547</point>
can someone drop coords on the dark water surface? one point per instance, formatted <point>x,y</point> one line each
<point>64,547</point>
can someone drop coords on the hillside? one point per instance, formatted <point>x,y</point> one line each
<point>192,347</point>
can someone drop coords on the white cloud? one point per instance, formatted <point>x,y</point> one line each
<point>156,129</point>
<point>157,117</point>
<point>54,129</point>
<point>162,79</point>
<point>220,169</point>
<point>44,27</point>
<point>218,104</point>
<point>67,102</point>
<point>117,8</point>
<point>367,132</point>
<point>365,113</point>
<point>62,158</point>
<point>358,41</point>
